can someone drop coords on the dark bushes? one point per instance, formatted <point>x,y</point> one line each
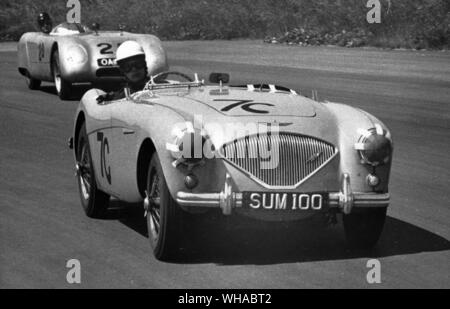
<point>404,23</point>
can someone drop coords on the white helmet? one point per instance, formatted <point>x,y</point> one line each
<point>129,49</point>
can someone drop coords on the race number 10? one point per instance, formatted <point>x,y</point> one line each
<point>74,14</point>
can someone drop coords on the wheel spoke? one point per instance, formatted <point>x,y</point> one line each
<point>154,202</point>
<point>154,186</point>
<point>155,219</point>
<point>84,163</point>
<point>85,187</point>
<point>87,177</point>
<point>84,171</point>
<point>87,183</point>
<point>157,214</point>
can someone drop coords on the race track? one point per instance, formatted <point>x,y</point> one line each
<point>42,224</point>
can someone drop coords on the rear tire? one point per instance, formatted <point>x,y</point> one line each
<point>63,87</point>
<point>164,216</point>
<point>363,229</point>
<point>95,202</point>
<point>32,83</point>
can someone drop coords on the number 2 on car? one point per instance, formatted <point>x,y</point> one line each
<point>106,48</point>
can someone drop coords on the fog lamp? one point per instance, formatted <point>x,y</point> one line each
<point>191,181</point>
<point>373,180</point>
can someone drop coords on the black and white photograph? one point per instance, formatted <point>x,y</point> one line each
<point>222,149</point>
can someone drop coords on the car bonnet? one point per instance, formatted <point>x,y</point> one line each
<point>237,102</point>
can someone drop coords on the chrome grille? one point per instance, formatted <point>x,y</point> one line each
<point>298,157</point>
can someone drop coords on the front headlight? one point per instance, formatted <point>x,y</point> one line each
<point>375,146</point>
<point>77,54</point>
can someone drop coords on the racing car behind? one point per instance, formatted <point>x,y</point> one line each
<point>74,53</point>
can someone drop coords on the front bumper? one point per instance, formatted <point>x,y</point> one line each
<point>227,200</point>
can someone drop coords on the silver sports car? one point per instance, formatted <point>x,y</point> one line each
<point>261,151</point>
<point>74,53</point>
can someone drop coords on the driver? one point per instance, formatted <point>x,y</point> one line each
<point>45,22</point>
<point>131,61</point>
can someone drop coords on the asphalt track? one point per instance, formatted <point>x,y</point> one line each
<point>42,224</point>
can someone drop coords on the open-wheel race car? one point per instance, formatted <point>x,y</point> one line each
<point>261,151</point>
<point>74,53</point>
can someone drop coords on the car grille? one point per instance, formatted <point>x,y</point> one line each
<point>109,72</point>
<point>299,157</point>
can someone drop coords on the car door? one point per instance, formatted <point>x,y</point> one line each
<point>126,141</point>
<point>100,137</point>
<point>39,51</point>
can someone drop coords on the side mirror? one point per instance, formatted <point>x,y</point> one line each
<point>218,78</point>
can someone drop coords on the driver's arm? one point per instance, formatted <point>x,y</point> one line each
<point>111,96</point>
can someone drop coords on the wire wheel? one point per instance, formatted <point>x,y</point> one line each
<point>57,74</point>
<point>94,201</point>
<point>153,200</point>
<point>32,83</point>
<point>84,173</point>
<point>163,214</point>
<point>63,87</point>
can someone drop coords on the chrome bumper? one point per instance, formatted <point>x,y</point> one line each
<point>226,200</point>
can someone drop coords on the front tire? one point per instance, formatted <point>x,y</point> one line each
<point>63,87</point>
<point>95,202</point>
<point>363,229</point>
<point>164,216</point>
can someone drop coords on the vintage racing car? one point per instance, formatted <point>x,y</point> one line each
<point>74,53</point>
<point>261,151</point>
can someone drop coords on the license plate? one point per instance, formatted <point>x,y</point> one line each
<point>285,201</point>
<point>106,62</point>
